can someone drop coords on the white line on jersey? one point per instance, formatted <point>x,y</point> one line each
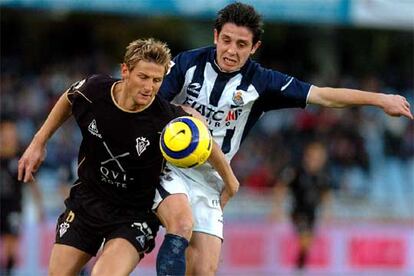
<point>287,84</point>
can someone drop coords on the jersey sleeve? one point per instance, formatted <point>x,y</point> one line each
<point>283,91</point>
<point>80,91</point>
<point>326,182</point>
<point>174,80</point>
<point>85,92</point>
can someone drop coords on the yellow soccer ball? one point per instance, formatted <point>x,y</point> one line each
<point>186,142</point>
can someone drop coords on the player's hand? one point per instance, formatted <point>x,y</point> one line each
<point>396,105</point>
<point>228,192</point>
<point>224,198</point>
<point>31,161</point>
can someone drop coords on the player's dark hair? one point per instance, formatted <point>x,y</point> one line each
<point>242,15</point>
<point>149,50</point>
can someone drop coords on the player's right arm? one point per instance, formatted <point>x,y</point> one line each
<point>281,191</point>
<point>219,162</point>
<point>36,151</point>
<point>231,185</point>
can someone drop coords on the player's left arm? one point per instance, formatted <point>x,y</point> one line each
<point>326,205</point>
<point>218,160</point>
<point>393,105</point>
<point>231,185</point>
<point>280,192</point>
<point>191,111</point>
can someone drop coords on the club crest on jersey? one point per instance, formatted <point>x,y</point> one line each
<point>237,98</point>
<point>142,144</point>
<point>94,129</point>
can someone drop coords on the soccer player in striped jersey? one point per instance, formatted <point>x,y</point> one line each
<point>232,92</point>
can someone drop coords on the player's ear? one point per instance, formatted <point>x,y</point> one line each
<point>216,34</point>
<point>255,47</point>
<point>124,70</point>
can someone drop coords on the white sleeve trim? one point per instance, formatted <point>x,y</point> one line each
<point>307,97</point>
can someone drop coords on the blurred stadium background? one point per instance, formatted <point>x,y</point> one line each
<point>46,45</point>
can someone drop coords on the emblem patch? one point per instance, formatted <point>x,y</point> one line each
<point>237,98</point>
<point>142,144</point>
<point>141,239</point>
<point>63,228</point>
<point>93,128</point>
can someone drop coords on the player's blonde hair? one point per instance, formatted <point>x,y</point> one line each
<point>150,50</point>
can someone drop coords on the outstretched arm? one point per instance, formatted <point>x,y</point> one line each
<point>36,151</point>
<point>393,105</point>
<point>326,205</point>
<point>218,160</point>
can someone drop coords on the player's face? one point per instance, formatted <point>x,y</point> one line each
<point>8,139</point>
<point>234,46</point>
<point>142,82</point>
<point>315,158</point>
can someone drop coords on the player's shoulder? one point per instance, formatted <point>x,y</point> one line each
<point>9,164</point>
<point>194,56</point>
<point>92,81</point>
<point>91,87</point>
<point>200,51</point>
<point>260,72</point>
<point>262,76</point>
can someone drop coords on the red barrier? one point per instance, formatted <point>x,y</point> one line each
<point>380,251</point>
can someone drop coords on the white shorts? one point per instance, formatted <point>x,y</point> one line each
<point>204,201</point>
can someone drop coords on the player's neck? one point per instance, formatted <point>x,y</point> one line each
<point>123,101</point>
<point>7,152</point>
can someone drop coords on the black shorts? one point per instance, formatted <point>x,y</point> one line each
<point>303,221</point>
<point>89,221</point>
<point>10,220</point>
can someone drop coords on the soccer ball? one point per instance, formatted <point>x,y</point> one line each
<point>186,142</point>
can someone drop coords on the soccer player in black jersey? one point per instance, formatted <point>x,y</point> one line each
<point>309,184</point>
<point>119,163</point>
<point>11,195</point>
<point>232,92</point>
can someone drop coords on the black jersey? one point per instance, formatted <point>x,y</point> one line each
<point>307,189</point>
<point>10,187</point>
<point>119,157</point>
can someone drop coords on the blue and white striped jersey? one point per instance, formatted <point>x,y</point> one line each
<point>230,102</point>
